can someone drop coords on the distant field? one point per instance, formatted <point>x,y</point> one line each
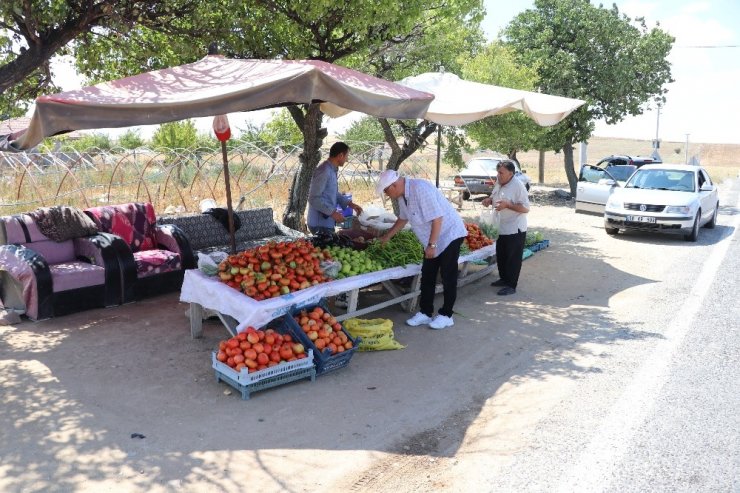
<point>721,160</point>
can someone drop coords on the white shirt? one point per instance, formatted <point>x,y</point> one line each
<point>420,204</point>
<point>511,222</point>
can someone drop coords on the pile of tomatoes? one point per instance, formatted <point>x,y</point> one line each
<point>476,239</point>
<point>274,269</point>
<point>257,349</point>
<point>323,330</point>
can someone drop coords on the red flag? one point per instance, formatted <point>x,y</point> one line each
<point>221,127</point>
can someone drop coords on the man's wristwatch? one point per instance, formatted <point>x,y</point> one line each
<point>433,245</point>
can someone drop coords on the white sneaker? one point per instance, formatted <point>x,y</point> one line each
<point>441,322</point>
<point>418,319</point>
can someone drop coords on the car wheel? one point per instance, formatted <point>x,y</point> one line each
<point>466,195</point>
<point>611,231</point>
<point>694,235</point>
<point>713,222</point>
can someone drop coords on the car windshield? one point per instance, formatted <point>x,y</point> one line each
<point>663,179</point>
<point>485,167</point>
<point>622,172</point>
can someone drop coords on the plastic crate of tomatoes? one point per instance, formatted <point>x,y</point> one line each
<point>316,328</point>
<point>258,359</point>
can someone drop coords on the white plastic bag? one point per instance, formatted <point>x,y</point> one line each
<point>490,217</point>
<point>207,263</point>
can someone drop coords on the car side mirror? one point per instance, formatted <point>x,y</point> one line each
<point>707,187</point>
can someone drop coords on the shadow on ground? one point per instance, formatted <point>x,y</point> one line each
<point>77,388</point>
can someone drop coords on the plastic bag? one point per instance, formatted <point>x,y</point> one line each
<point>375,334</point>
<point>331,268</point>
<point>207,264</point>
<point>490,217</point>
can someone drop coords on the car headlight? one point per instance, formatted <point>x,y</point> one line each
<point>614,203</point>
<point>678,209</point>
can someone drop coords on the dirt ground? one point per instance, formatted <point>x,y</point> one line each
<point>122,399</point>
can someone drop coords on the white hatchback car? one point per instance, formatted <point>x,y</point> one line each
<point>666,198</point>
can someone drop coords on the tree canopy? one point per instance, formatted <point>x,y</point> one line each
<point>32,32</point>
<point>616,64</point>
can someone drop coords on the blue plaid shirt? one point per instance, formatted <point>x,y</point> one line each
<point>420,204</point>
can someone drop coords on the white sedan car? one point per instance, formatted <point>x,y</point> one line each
<point>666,198</point>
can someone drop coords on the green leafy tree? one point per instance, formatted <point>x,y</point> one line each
<point>592,53</point>
<point>130,139</point>
<point>32,32</point>
<point>436,43</point>
<point>176,135</point>
<point>281,131</point>
<point>365,139</point>
<point>510,132</point>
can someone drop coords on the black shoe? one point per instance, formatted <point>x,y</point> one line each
<point>500,282</point>
<point>506,290</point>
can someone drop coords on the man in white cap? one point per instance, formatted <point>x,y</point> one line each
<point>440,229</point>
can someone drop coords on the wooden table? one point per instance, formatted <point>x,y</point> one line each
<point>454,195</point>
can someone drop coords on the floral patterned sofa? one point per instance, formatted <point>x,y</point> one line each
<point>206,234</point>
<point>45,277</point>
<point>154,258</point>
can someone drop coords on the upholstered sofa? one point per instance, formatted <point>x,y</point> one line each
<point>153,257</point>
<point>45,278</point>
<point>207,234</point>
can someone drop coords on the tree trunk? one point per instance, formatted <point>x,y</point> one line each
<point>570,170</point>
<point>313,138</point>
<point>414,138</point>
<point>512,155</point>
<point>541,167</point>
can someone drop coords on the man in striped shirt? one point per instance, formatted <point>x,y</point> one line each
<point>440,229</point>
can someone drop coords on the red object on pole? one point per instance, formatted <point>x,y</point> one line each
<point>223,133</point>
<point>221,127</point>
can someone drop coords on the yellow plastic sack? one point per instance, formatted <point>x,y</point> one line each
<point>376,334</point>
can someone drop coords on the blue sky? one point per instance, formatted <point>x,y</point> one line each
<point>702,101</point>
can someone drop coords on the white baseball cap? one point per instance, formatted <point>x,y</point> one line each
<point>387,178</point>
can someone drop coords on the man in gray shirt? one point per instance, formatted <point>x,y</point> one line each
<point>511,200</point>
<point>323,194</point>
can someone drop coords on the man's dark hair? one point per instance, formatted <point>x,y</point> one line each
<point>338,148</point>
<point>508,165</point>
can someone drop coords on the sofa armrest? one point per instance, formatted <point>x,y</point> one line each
<point>101,250</point>
<point>281,229</point>
<point>172,238</point>
<point>31,271</point>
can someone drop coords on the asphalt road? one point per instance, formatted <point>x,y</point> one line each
<point>661,413</point>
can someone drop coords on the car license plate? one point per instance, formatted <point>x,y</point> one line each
<point>641,219</point>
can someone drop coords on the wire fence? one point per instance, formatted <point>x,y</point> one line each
<point>177,180</point>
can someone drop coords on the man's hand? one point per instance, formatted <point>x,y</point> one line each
<point>487,201</point>
<point>356,208</point>
<point>337,216</point>
<point>384,239</point>
<point>430,251</point>
<point>502,204</point>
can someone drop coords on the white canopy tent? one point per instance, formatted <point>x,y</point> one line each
<point>459,102</point>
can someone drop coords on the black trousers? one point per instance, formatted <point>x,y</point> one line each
<point>446,264</point>
<point>509,250</point>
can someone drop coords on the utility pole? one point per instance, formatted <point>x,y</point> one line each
<point>656,142</point>
<point>686,158</point>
